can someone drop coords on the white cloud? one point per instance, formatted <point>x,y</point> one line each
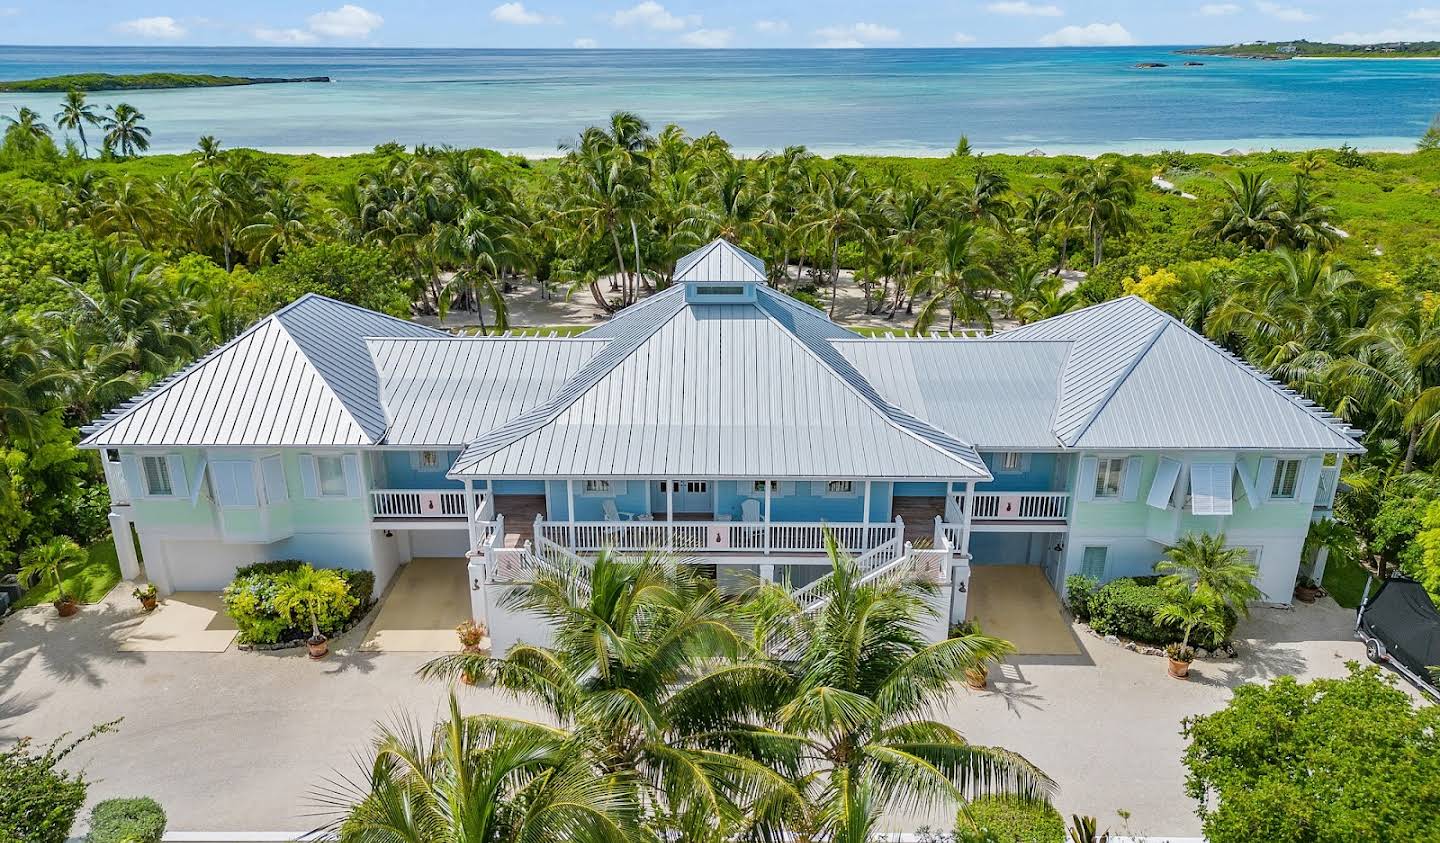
<point>585,43</point>
<point>284,36</point>
<point>1424,15</point>
<point>856,35</point>
<point>1021,8</point>
<point>516,13</point>
<point>772,27</point>
<point>348,21</point>
<point>652,15</point>
<point>1291,14</point>
<point>162,27</point>
<point>963,38</point>
<point>1091,35</point>
<point>1219,10</point>
<point>710,39</point>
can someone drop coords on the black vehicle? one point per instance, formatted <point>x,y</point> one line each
<point>1401,627</point>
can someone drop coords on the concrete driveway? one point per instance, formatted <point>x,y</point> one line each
<point>237,741</point>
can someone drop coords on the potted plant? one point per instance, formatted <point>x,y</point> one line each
<point>148,596</point>
<point>45,564</point>
<point>1189,610</point>
<point>302,592</point>
<point>977,676</point>
<point>1307,590</point>
<point>1179,657</point>
<point>471,635</point>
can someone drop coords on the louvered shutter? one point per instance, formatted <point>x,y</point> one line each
<point>1085,482</point>
<point>1130,485</point>
<point>309,476</point>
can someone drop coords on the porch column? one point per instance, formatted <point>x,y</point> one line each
<point>969,512</point>
<point>472,513</point>
<point>771,576</point>
<point>670,514</point>
<point>124,546</point>
<point>570,508</point>
<point>865,519</point>
<point>1317,569</point>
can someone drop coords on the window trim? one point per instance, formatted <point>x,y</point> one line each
<point>597,491</point>
<point>320,492</point>
<point>1277,482</point>
<point>827,492</point>
<point>1003,466</point>
<point>1101,465</point>
<point>162,460</point>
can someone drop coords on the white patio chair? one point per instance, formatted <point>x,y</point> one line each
<point>612,513</point>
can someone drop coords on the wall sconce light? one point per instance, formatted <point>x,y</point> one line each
<point>1059,547</point>
<point>389,535</point>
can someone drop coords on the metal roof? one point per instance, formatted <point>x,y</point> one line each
<point>301,376</point>
<point>720,260</point>
<point>718,390</point>
<point>449,391</point>
<point>1138,378</point>
<point>995,394</point>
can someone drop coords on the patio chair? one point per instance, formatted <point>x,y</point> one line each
<point>750,514</point>
<point>613,513</point>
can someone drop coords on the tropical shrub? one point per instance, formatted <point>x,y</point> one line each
<point>255,600</point>
<point>362,275</point>
<point>137,820</point>
<point>1010,820</point>
<point>1330,760</point>
<point>1127,607</point>
<point>1079,591</point>
<point>38,799</point>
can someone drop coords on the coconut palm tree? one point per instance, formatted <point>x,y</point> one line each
<point>836,212</point>
<point>1251,214</point>
<point>128,303</point>
<point>1201,563</point>
<point>74,115</point>
<point>1307,221</point>
<point>283,225</point>
<point>125,130</point>
<point>1099,197</point>
<point>1050,298</point>
<point>208,148</point>
<point>1189,610</point>
<point>480,779</point>
<point>29,376</point>
<point>44,565</point>
<point>26,131</point>
<point>854,729</point>
<point>643,672</point>
<point>961,277</point>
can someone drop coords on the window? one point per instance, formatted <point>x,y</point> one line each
<point>840,487</point>
<point>594,486</point>
<point>1109,477</point>
<point>1012,461</point>
<point>233,484</point>
<point>427,460</point>
<point>758,487</point>
<point>1287,477</point>
<point>697,487</point>
<point>710,290</point>
<point>330,469</point>
<point>112,455</point>
<point>157,476</point>
<point>1092,562</point>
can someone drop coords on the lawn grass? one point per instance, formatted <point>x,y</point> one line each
<point>87,582</point>
<point>1345,580</point>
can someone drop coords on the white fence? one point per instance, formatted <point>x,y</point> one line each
<point>420,503</point>
<point>716,536</point>
<point>1016,506</point>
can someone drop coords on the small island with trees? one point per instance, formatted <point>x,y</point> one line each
<point>140,81</point>
<point>1285,50</point>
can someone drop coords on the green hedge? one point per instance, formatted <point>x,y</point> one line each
<point>1079,591</point>
<point>1005,819</point>
<point>250,600</point>
<point>139,820</point>
<point>38,799</point>
<point>1127,607</point>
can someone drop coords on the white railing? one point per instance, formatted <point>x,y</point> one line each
<point>1016,506</point>
<point>811,597</point>
<point>1329,484</point>
<point>754,537</point>
<point>418,503</point>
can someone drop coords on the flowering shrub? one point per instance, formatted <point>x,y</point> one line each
<point>254,600</point>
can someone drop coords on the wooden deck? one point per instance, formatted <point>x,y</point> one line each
<point>519,512</point>
<point>919,514</point>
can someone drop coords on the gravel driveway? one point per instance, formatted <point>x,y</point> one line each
<point>237,741</point>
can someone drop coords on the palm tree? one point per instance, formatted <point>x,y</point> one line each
<point>854,730</point>
<point>208,148</point>
<point>282,226</point>
<point>962,275</point>
<point>1189,610</point>
<point>480,779</point>
<point>1100,196</point>
<point>641,672</point>
<point>1202,564</point>
<point>1049,299</point>
<point>29,376</point>
<point>129,304</point>
<point>1307,222</point>
<point>836,212</point>
<point>1024,281</point>
<point>74,115</point>
<point>125,130</point>
<point>1251,214</point>
<point>26,131</point>
<point>44,565</point>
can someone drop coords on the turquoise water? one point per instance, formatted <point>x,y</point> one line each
<point>834,101</point>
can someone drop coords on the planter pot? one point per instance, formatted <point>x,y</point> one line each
<point>149,603</point>
<point>1179,669</point>
<point>976,678</point>
<point>67,607</point>
<point>318,646</point>
<point>467,678</point>
<point>1306,594</point>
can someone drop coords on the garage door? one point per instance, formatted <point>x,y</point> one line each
<point>438,543</point>
<point>204,565</point>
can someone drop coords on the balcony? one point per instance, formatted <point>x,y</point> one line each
<point>717,537</point>
<point>1012,507</point>
<point>421,504</point>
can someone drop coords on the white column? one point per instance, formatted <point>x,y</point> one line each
<point>865,519</point>
<point>771,576</point>
<point>969,513</point>
<point>472,512</point>
<point>570,508</point>
<point>670,513</point>
<point>478,573</point>
<point>1317,570</point>
<point>124,546</point>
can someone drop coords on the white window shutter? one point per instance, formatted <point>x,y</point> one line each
<point>179,483</point>
<point>199,483</point>
<point>309,476</point>
<point>1130,485</point>
<point>351,464</point>
<point>1085,482</point>
<point>134,476</point>
<point>1163,488</point>
<point>1266,478</point>
<point>1252,494</point>
<point>272,471</point>
<point>1309,479</point>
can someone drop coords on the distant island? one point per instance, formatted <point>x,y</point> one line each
<point>1283,50</point>
<point>140,81</point>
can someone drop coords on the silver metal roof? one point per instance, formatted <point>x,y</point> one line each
<point>720,260</point>
<point>718,390</point>
<point>301,376</point>
<point>447,392</point>
<point>1138,378</point>
<point>995,394</point>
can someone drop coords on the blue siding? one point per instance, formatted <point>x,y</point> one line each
<point>1038,476</point>
<point>519,487</point>
<point>920,490</point>
<point>632,499</point>
<point>401,474</point>
<point>1008,548</point>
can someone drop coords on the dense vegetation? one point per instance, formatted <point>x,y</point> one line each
<point>273,602</point>
<point>1320,267</point>
<point>41,796</point>
<point>134,82</point>
<point>1321,49</point>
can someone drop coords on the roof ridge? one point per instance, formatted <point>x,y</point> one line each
<point>307,297</point>
<point>320,373</point>
<point>1115,384</point>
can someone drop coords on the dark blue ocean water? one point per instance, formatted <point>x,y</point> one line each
<point>901,101</point>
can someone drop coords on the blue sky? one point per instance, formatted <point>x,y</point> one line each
<point>691,23</point>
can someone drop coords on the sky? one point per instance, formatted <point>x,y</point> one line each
<point>695,24</point>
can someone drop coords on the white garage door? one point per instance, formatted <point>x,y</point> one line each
<point>427,544</point>
<point>204,565</point>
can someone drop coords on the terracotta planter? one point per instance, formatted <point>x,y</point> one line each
<point>149,603</point>
<point>318,646</point>
<point>1179,669</point>
<point>976,678</point>
<point>67,607</point>
<point>467,678</point>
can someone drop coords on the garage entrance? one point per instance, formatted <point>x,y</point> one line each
<point>428,598</point>
<point>1016,603</point>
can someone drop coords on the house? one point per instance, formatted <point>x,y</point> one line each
<point>724,421</point>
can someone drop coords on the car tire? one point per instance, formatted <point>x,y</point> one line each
<point>1374,652</point>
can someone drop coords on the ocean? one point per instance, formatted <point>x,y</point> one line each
<point>901,102</point>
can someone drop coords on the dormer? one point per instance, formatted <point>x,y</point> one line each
<point>720,273</point>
